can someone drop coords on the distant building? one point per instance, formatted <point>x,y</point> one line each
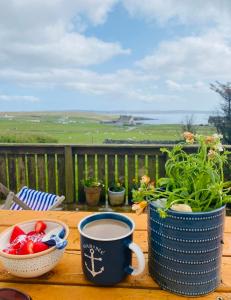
<point>65,120</point>
<point>123,120</point>
<point>126,120</point>
<point>6,116</point>
<point>34,121</point>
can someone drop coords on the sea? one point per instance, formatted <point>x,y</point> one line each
<point>170,117</point>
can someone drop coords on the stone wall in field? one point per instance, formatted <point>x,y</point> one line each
<point>144,142</point>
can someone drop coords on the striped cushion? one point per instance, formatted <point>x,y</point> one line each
<point>36,200</point>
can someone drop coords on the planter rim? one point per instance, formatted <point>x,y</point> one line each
<point>93,187</point>
<point>113,192</point>
<point>191,214</point>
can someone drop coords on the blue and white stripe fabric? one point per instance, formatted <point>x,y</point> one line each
<point>36,200</point>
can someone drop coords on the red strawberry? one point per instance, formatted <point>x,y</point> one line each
<point>27,248</point>
<point>39,247</point>
<point>15,233</point>
<point>35,238</point>
<point>31,233</point>
<point>40,227</point>
<point>10,251</point>
<point>19,241</point>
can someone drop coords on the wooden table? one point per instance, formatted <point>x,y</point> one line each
<point>66,281</point>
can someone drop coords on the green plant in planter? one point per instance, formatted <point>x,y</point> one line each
<point>194,181</point>
<point>91,182</point>
<point>116,187</point>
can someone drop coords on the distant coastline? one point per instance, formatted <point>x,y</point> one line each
<point>153,117</point>
<point>115,111</point>
<point>167,117</point>
<point>190,112</point>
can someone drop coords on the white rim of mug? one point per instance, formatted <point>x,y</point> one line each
<point>107,240</point>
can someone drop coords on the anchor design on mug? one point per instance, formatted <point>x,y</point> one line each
<point>92,258</point>
<point>107,258</point>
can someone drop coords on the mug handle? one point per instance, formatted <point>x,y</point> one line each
<point>140,258</point>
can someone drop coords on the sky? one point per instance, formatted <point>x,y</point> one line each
<point>113,54</point>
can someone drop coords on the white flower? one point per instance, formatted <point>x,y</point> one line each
<point>211,154</point>
<point>219,147</point>
<point>217,136</point>
<point>181,207</point>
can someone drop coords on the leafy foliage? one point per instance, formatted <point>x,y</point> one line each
<point>116,186</point>
<point>195,179</point>
<point>223,123</point>
<point>26,138</point>
<point>91,182</point>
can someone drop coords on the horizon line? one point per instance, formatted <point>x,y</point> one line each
<point>112,111</point>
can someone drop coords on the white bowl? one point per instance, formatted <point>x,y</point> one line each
<point>31,265</point>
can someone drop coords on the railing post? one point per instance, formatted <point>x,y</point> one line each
<point>69,174</point>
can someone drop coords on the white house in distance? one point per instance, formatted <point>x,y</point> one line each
<point>123,120</point>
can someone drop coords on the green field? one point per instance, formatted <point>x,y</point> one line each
<point>80,128</point>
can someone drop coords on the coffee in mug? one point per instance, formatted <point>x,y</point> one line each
<point>106,229</point>
<point>106,248</point>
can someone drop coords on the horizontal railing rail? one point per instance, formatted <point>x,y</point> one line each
<point>60,169</point>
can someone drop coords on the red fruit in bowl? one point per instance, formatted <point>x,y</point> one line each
<point>10,251</point>
<point>36,237</point>
<point>40,227</point>
<point>27,248</point>
<point>33,232</point>
<point>15,233</point>
<point>39,247</point>
<point>19,241</point>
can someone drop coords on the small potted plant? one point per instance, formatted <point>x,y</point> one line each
<point>116,193</point>
<point>186,213</point>
<point>92,189</point>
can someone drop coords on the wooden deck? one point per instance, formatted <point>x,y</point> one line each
<point>66,281</point>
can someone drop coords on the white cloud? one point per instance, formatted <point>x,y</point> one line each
<point>70,49</point>
<point>187,65</point>
<point>24,13</point>
<point>129,84</point>
<point>186,87</point>
<point>96,10</point>
<point>181,11</point>
<point>42,34</point>
<point>16,98</point>
<point>197,58</point>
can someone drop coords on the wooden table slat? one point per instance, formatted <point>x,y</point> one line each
<point>61,292</point>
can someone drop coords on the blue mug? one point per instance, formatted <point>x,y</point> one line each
<point>108,261</point>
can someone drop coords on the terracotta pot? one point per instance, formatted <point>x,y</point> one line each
<point>92,195</point>
<point>116,198</point>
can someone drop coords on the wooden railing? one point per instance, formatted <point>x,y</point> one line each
<point>60,169</point>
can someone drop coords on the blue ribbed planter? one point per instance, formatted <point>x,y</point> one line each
<point>185,250</point>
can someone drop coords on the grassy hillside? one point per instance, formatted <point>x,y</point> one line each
<point>80,128</point>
